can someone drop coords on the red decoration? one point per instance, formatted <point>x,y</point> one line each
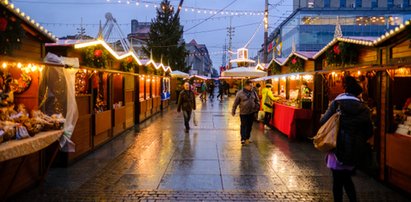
<point>336,49</point>
<point>3,24</point>
<point>129,59</point>
<point>98,53</point>
<point>294,61</point>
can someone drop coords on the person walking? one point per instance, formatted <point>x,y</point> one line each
<point>186,103</point>
<point>355,129</point>
<point>221,91</point>
<point>249,104</point>
<point>267,108</point>
<point>211,87</point>
<point>203,95</point>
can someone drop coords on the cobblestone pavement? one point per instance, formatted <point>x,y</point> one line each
<point>162,163</point>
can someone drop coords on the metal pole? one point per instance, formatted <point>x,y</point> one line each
<point>265,32</point>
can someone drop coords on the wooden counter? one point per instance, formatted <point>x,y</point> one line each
<point>291,120</point>
<point>103,127</point>
<point>398,161</point>
<point>119,120</point>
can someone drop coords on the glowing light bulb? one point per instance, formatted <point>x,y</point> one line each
<point>19,65</point>
<point>4,65</point>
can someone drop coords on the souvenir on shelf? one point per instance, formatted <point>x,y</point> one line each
<point>81,84</point>
<point>16,124</point>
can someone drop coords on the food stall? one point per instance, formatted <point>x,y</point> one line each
<point>28,142</point>
<point>292,81</point>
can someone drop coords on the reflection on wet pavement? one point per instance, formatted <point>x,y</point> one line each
<point>161,162</point>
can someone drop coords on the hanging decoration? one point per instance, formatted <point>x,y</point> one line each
<point>128,64</point>
<point>274,68</point>
<point>342,54</point>
<point>81,84</point>
<point>296,64</point>
<point>95,56</point>
<point>11,33</point>
<point>21,84</point>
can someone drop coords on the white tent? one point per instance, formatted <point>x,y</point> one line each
<point>179,74</point>
<point>244,72</point>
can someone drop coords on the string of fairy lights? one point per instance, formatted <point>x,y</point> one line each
<point>206,11</point>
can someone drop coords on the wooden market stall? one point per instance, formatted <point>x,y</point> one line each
<point>292,81</point>
<point>24,161</point>
<point>395,113</point>
<point>105,93</point>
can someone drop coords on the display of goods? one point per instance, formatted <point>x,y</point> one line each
<point>18,125</point>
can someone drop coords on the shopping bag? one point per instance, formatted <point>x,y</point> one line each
<point>261,115</point>
<point>326,137</point>
<point>194,118</point>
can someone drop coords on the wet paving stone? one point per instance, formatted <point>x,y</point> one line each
<point>160,162</point>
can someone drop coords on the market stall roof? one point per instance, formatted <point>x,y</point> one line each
<point>365,41</point>
<point>242,60</point>
<point>229,77</point>
<point>393,32</point>
<point>243,72</point>
<point>200,77</point>
<point>49,37</point>
<point>179,74</point>
<point>305,55</point>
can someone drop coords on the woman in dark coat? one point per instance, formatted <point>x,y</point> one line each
<point>355,130</point>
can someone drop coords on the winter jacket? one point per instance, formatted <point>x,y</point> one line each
<point>248,102</point>
<point>186,101</point>
<point>355,128</point>
<point>267,94</point>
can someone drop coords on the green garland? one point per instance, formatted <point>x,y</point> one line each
<point>342,54</point>
<point>11,33</point>
<point>96,57</point>
<point>296,64</point>
<point>128,65</point>
<point>274,68</point>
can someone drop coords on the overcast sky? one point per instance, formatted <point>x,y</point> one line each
<point>62,17</point>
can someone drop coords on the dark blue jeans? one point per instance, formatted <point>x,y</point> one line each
<point>247,121</point>
<point>187,117</point>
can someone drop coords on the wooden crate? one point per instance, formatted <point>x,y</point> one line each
<point>103,126</point>
<point>119,120</point>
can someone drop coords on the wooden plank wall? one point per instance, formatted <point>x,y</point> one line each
<point>367,55</point>
<point>402,50</point>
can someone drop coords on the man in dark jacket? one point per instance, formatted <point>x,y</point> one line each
<point>355,129</point>
<point>249,104</point>
<point>187,103</point>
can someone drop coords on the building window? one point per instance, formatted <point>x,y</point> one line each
<point>343,3</point>
<point>358,3</point>
<point>406,4</point>
<point>310,3</point>
<point>326,3</point>
<point>374,3</point>
<point>390,3</point>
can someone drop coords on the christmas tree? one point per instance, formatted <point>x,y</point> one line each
<point>166,38</point>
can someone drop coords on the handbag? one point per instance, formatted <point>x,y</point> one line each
<point>268,102</point>
<point>326,137</point>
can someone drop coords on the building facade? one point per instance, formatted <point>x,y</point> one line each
<point>384,4</point>
<point>311,28</point>
<point>198,59</point>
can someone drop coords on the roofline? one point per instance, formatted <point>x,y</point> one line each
<point>28,20</point>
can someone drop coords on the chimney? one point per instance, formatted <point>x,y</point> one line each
<point>134,25</point>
